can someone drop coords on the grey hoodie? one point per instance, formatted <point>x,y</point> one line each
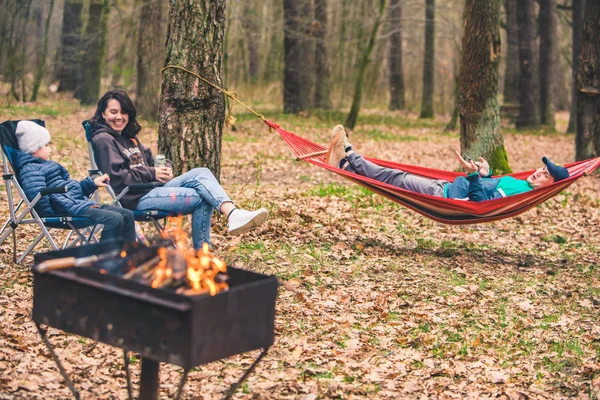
<point>126,160</point>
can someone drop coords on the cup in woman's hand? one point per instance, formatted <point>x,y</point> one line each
<point>163,174</point>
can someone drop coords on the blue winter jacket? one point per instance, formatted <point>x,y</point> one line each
<point>36,174</point>
<point>476,188</point>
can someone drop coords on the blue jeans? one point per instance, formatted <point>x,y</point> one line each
<point>196,192</point>
<point>395,177</point>
<point>118,222</point>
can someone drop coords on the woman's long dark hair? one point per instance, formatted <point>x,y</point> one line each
<point>127,107</point>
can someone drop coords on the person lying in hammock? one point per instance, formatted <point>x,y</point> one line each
<point>478,185</point>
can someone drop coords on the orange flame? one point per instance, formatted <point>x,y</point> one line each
<point>202,266</point>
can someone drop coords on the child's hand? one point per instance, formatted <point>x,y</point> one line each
<point>469,166</point>
<point>484,167</point>
<point>102,180</point>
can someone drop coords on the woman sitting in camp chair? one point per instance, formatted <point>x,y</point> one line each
<point>119,152</point>
<point>478,185</point>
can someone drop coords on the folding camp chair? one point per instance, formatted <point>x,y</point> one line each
<point>81,229</point>
<point>155,217</point>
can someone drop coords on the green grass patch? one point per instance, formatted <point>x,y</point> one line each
<point>554,238</point>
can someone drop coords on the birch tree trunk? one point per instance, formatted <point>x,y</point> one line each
<point>587,139</point>
<point>192,113</point>
<point>480,134</point>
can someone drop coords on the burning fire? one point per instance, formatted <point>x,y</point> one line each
<point>202,271</point>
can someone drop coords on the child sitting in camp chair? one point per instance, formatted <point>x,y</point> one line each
<point>478,185</point>
<point>38,172</point>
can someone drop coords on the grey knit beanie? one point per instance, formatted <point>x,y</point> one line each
<point>31,136</point>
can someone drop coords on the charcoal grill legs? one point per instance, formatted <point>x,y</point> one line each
<point>127,374</point>
<point>233,388</point>
<point>57,361</point>
<point>149,379</point>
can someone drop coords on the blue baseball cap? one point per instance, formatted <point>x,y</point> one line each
<point>557,171</point>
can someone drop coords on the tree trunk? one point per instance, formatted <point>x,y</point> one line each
<point>322,72</point>
<point>149,60</point>
<point>273,67</point>
<point>547,25</point>
<point>5,23</point>
<point>126,38</point>
<point>93,52</point>
<point>297,54</point>
<point>17,50</point>
<point>480,134</point>
<point>577,25</point>
<point>41,68</point>
<point>456,110</point>
<point>249,21</point>
<point>529,107</point>
<point>428,61</point>
<point>511,74</point>
<point>587,139</point>
<point>395,57</point>
<point>69,57</point>
<point>362,69</point>
<point>191,112</point>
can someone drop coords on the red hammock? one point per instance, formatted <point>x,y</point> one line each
<point>448,211</point>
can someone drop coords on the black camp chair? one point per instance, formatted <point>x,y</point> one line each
<point>81,229</point>
<point>155,217</point>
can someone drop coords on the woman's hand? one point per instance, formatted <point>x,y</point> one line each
<point>469,166</point>
<point>102,180</point>
<point>484,167</point>
<point>163,174</point>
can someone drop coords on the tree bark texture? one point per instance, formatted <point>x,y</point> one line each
<point>395,57</point>
<point>192,113</point>
<point>41,68</point>
<point>69,57</point>
<point>148,64</point>
<point>547,26</point>
<point>480,134</point>
<point>362,69</point>
<point>322,72</point>
<point>428,61</point>
<point>576,29</point>
<point>587,139</point>
<point>297,74</point>
<point>93,51</point>
<point>529,106</point>
<point>511,74</point>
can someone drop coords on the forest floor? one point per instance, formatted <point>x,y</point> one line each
<point>376,301</point>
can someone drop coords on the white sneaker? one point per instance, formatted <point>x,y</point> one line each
<point>241,221</point>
